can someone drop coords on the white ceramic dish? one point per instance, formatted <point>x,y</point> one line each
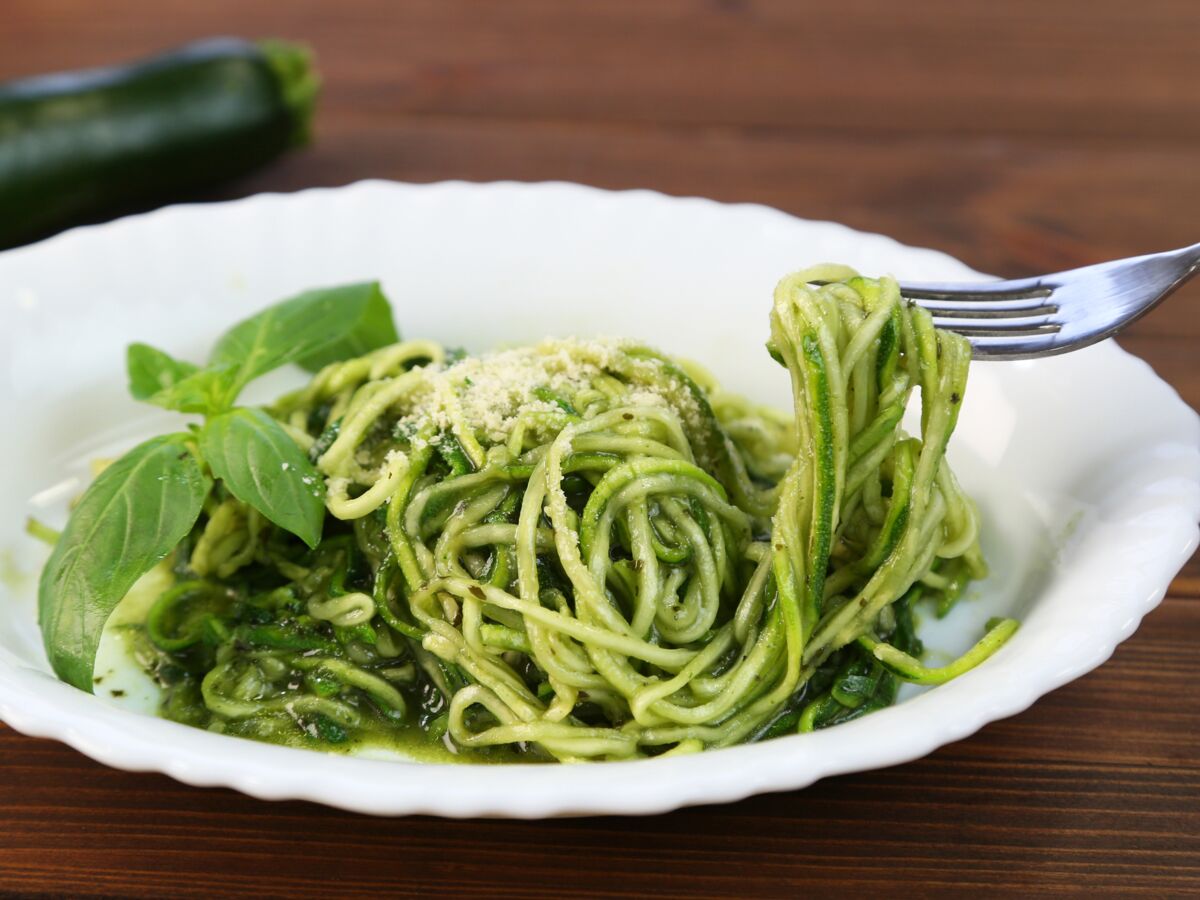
<point>1085,466</point>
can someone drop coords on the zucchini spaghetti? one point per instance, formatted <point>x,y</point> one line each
<point>586,550</point>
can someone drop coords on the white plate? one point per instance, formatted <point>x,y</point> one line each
<point>1085,466</point>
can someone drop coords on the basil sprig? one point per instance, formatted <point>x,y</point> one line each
<point>140,508</point>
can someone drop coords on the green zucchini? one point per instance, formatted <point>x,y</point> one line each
<point>83,145</point>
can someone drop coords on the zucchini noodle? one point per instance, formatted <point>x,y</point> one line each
<point>586,550</point>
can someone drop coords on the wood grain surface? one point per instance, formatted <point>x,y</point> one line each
<point>1019,136</point>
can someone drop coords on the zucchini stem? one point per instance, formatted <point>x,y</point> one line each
<point>299,84</point>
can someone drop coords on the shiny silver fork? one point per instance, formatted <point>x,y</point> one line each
<point>1049,314</point>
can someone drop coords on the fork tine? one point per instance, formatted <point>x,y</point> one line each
<point>999,327</point>
<point>1029,289</point>
<point>996,347</point>
<point>983,309</point>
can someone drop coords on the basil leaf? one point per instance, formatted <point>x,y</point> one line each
<point>151,370</point>
<point>263,467</point>
<point>131,516</point>
<point>313,328</point>
<point>204,391</point>
<point>373,328</point>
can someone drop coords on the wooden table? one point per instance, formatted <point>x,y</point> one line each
<point>1021,137</point>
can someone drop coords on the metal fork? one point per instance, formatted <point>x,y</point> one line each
<point>1049,314</point>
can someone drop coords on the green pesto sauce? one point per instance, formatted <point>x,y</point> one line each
<point>132,671</point>
<point>411,742</point>
<point>406,739</point>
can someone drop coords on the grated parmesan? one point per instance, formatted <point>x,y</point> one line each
<point>489,393</point>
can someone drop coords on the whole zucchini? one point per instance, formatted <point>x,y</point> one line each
<point>81,145</point>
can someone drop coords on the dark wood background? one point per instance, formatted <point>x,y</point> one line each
<point>1020,136</point>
